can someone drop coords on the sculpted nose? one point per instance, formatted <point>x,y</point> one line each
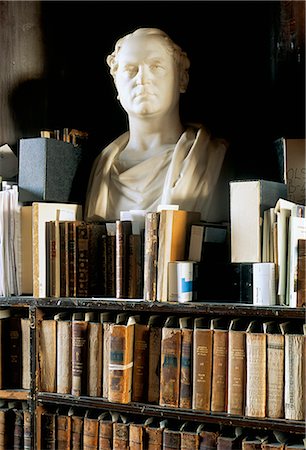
<point>142,75</point>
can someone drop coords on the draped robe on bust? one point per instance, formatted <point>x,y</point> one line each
<point>185,174</point>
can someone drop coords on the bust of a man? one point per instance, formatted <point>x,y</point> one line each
<point>158,160</point>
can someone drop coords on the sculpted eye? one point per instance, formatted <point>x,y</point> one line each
<point>130,70</point>
<point>156,67</point>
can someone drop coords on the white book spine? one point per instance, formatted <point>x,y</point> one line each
<point>264,284</point>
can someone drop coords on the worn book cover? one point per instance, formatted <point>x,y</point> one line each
<point>63,353</point>
<point>105,431</point>
<point>150,256</point>
<point>25,352</point>
<point>256,370</point>
<point>219,383</point>
<point>140,362</point>
<point>275,370</point>
<point>170,363</point>
<point>90,433</point>
<point>202,364</point>
<point>190,438</point>
<point>121,360</point>
<point>123,231</point>
<point>79,354</point>
<point>186,326</point>
<point>155,332</point>
<point>171,439</point>
<point>47,355</point>
<point>301,273</point>
<point>236,366</point>
<point>63,432</point>
<point>121,434</point>
<point>94,354</point>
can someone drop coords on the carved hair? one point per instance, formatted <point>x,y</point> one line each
<point>180,57</point>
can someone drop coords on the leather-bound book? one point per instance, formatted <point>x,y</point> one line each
<point>256,370</point>
<point>63,258</point>
<point>253,442</point>
<point>121,359</point>
<point>136,436</point>
<point>76,430</point>
<point>186,326</point>
<point>121,434</point>
<point>82,259</point>
<point>219,365</point>
<point>150,256</point>
<point>111,259</point>
<point>48,431</point>
<point>155,331</point>
<point>140,362</point>
<point>105,431</point>
<point>170,363</point>
<point>14,369</point>
<point>230,439</point>
<point>18,430</point>
<point>135,273</point>
<point>4,354</point>
<point>123,231</point>
<point>72,258</point>
<point>47,355</point>
<point>106,319</point>
<point>236,366</point>
<point>79,354</point>
<point>96,233</point>
<point>202,364</point>
<point>208,436</point>
<point>153,433</point>
<point>190,438</point>
<point>171,439</point>
<point>27,427</point>
<point>94,355</point>
<point>273,446</point>
<point>25,351</point>
<point>7,425</point>
<point>63,353</point>
<point>275,370</point>
<point>90,433</point>
<point>63,432</point>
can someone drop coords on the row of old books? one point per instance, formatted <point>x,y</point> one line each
<point>243,368</point>
<point>15,351</point>
<point>15,426</point>
<point>109,431</point>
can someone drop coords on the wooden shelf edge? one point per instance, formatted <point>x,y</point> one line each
<point>288,426</point>
<point>14,394</point>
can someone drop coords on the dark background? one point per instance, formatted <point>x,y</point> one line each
<point>247,75</point>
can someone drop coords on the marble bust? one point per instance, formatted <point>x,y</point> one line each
<point>158,160</point>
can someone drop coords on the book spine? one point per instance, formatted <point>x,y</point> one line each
<point>185,376</point>
<point>140,375</point>
<point>294,373</point>
<point>189,441</point>
<point>153,438</point>
<point>202,363</point>
<point>172,440</point>
<point>48,436</point>
<point>63,252</point>
<point>111,265</point>
<point>275,376</point>
<point>170,367</point>
<point>82,260</point>
<point>154,364</point>
<point>150,255</point>
<point>63,374</point>
<point>208,440</point>
<point>25,333</point>
<point>120,436</point>
<point>27,430</point>
<point>236,372</point>
<point>94,375</point>
<point>91,434</point>
<point>136,437</point>
<point>301,273</point>
<point>18,430</point>
<point>63,432</point>
<point>47,356</point>
<point>256,375</point>
<point>72,259</point>
<point>79,357</point>
<point>15,353</point>
<point>123,230</point>
<point>219,371</point>
<point>106,354</point>
<point>134,279</point>
<point>76,433</point>
<point>105,435</point>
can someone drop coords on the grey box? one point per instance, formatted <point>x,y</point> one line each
<point>47,169</point>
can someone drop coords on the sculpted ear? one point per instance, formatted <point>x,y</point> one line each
<point>184,81</point>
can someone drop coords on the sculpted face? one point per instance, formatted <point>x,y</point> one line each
<point>147,77</point>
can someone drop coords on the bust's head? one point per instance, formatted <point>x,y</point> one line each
<point>150,71</point>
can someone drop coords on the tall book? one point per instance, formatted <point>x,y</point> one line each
<point>275,370</point>
<point>297,230</point>
<point>135,274</point>
<point>236,367</point>
<point>150,256</point>
<point>190,439</point>
<point>94,355</point>
<point>121,359</point>
<point>96,236</point>
<point>18,443</point>
<point>248,201</point>
<point>14,367</point>
<point>48,436</point>
<point>82,249</point>
<point>170,363</point>
<point>171,439</point>
<point>202,364</point>
<point>79,354</point>
<point>121,433</point>
<point>294,395</point>
<point>208,436</point>
<point>4,333</point>
<point>42,213</point>
<point>90,432</point>
<point>186,327</point>
<point>153,431</point>
<point>47,355</point>
<point>106,319</point>
<point>264,283</point>
<point>25,351</point>
<point>136,436</point>
<point>72,257</point>
<point>255,405</point>
<point>63,353</point>
<point>301,273</point>
<point>219,380</point>
<point>155,333</point>
<point>76,430</point>
<point>27,427</point>
<point>105,431</point>
<point>111,259</point>
<point>26,250</point>
<point>140,362</point>
<point>63,432</point>
<point>123,231</point>
<point>174,231</point>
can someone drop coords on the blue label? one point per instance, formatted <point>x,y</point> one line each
<point>186,286</point>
